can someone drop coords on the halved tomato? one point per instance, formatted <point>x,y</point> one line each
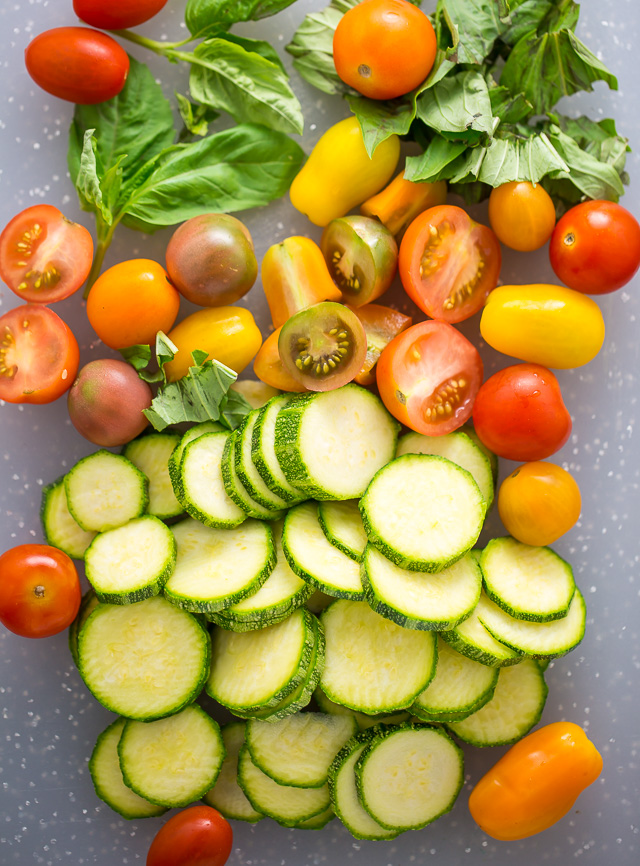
<point>39,355</point>
<point>44,257</point>
<point>381,324</point>
<point>448,263</point>
<point>428,377</point>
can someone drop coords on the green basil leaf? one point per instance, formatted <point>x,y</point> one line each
<point>196,118</point>
<point>459,107</point>
<point>380,119</point>
<point>600,139</point>
<point>594,179</point>
<point>432,164</point>
<point>526,16</point>
<point>208,17</point>
<point>474,26</point>
<point>234,409</point>
<point>88,178</point>
<point>236,169</point>
<point>228,76</point>
<point>550,66</point>
<point>511,159</point>
<point>510,109</point>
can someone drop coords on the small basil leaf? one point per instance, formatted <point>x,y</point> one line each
<point>474,25</point>
<point>431,165</point>
<point>380,119</point>
<point>458,104</point>
<point>208,17</point>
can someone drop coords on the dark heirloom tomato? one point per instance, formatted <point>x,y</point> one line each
<point>39,355</point>
<point>428,377</point>
<point>269,368</point>
<point>77,64</point>
<point>198,836</point>
<point>519,413</point>
<point>323,347</point>
<point>211,261</point>
<point>595,247</point>
<point>381,325</point>
<point>116,14</point>
<point>448,263</point>
<point>362,257</point>
<point>44,257</point>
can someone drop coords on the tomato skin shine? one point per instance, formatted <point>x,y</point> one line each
<point>197,836</point>
<point>116,14</point>
<point>522,215</point>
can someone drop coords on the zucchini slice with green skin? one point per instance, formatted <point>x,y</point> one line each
<point>458,447</point>
<point>460,687</point>
<point>419,600</point>
<point>314,559</point>
<point>204,492</point>
<point>317,822</point>
<point>531,583</point>
<point>226,795</point>
<point>263,451</point>
<point>423,512</point>
<point>88,604</point>
<point>409,775</point>
<point>105,490</point>
<point>298,750</point>
<point>172,761</point>
<point>247,473</point>
<point>469,430</point>
<point>174,463</point>
<point>236,490</point>
<point>145,660</point>
<point>284,803</point>
<point>372,664</point>
<point>330,444</point>
<point>216,568</point>
<point>363,720</point>
<point>344,793</point>
<point>341,523</point>
<point>132,562</point>
<point>106,775</point>
<point>515,707</point>
<point>60,528</point>
<point>472,639</point>
<point>150,453</point>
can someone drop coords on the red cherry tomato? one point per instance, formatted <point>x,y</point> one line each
<point>595,247</point>
<point>428,377</point>
<point>77,64</point>
<point>39,355</point>
<point>44,257</point>
<point>519,413</point>
<point>198,836</point>
<point>116,14</point>
<point>39,590</point>
<point>448,263</point>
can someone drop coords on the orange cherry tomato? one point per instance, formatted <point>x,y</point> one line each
<point>522,215</point>
<point>130,302</point>
<point>384,48</point>
<point>402,200</point>
<point>268,366</point>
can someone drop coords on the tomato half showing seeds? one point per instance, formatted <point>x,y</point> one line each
<point>39,590</point>
<point>519,413</point>
<point>39,355</point>
<point>595,247</point>
<point>428,377</point>
<point>77,64</point>
<point>448,263</point>
<point>116,14</point>
<point>198,836</point>
<point>44,257</point>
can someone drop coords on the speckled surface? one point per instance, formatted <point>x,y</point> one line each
<point>48,810</point>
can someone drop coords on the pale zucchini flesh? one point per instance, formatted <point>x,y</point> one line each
<point>174,464</point>
<point>60,528</point>
<point>341,522</point>
<point>263,451</point>
<point>204,492</point>
<point>472,639</point>
<point>363,720</point>
<point>226,795</point>
<point>246,471</point>
<point>151,453</point>
<point>236,490</point>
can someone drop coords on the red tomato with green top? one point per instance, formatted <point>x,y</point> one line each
<point>197,836</point>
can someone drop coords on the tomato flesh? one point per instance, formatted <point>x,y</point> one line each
<point>44,257</point>
<point>197,836</point>
<point>448,263</point>
<point>428,377</point>
<point>39,355</point>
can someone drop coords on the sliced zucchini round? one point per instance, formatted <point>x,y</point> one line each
<point>150,453</point>
<point>204,492</point>
<point>105,490</point>
<point>341,522</point>
<point>60,528</point>
<point>226,795</point>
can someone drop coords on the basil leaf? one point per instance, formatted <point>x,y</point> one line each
<point>196,118</point>
<point>234,409</point>
<point>236,169</point>
<point>87,178</point>
<point>139,356</point>
<point>511,159</point>
<point>229,76</point>
<point>432,164</point>
<point>207,17</point>
<point>459,107</point>
<point>524,17</point>
<point>474,26</point>
<point>550,66</point>
<point>380,119</point>
<point>600,139</point>
<point>510,109</point>
<point>594,179</point>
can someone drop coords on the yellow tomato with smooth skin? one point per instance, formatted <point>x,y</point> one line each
<point>228,334</point>
<point>539,502</point>
<point>522,215</point>
<point>543,324</point>
<point>339,173</point>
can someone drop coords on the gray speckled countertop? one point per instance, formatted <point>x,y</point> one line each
<point>49,812</point>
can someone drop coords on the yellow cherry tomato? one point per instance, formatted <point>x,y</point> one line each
<point>228,334</point>
<point>539,502</point>
<point>339,173</point>
<point>543,324</point>
<point>522,215</point>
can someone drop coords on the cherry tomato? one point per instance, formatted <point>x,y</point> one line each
<point>448,263</point>
<point>522,215</point>
<point>384,48</point>
<point>39,355</point>
<point>39,590</point>
<point>519,413</point>
<point>539,502</point>
<point>428,377</point>
<point>595,247</point>
<point>323,347</point>
<point>269,368</point>
<point>116,14</point>
<point>130,302</point>
<point>44,257</point>
<point>77,64</point>
<point>211,261</point>
<point>198,836</point>
<point>381,325</point>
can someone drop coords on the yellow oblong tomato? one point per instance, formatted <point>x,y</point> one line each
<point>339,173</point>
<point>227,334</point>
<point>543,324</point>
<point>539,502</point>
